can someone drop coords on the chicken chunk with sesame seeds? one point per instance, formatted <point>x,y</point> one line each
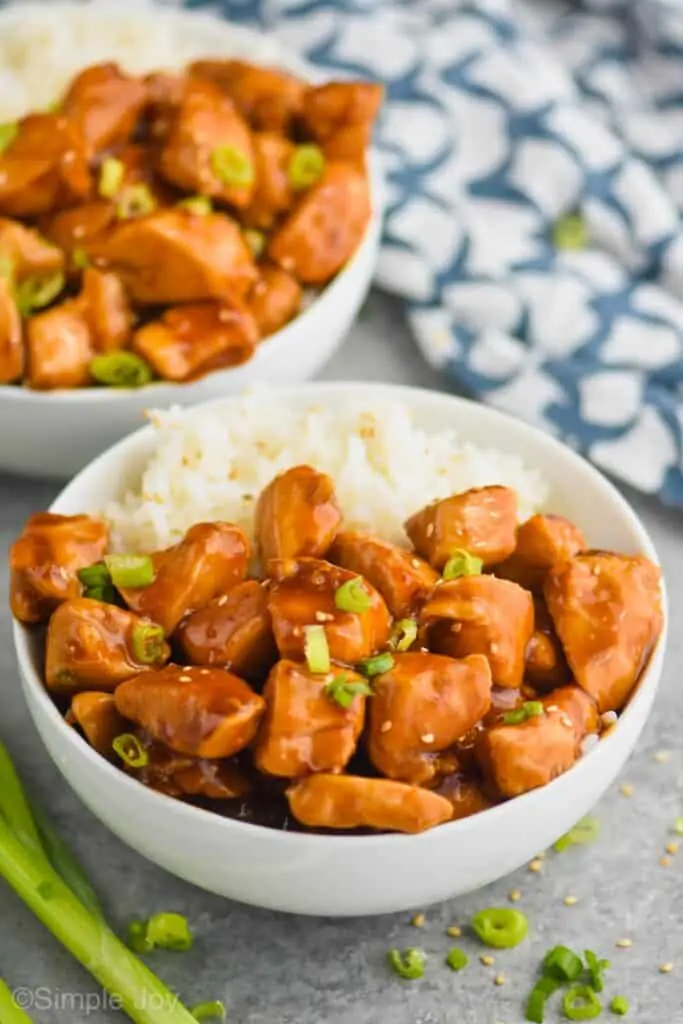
<point>104,104</point>
<point>233,630</point>
<point>482,615</point>
<point>25,253</point>
<point>92,645</point>
<point>204,713</point>
<point>403,580</point>
<point>481,521</point>
<point>107,310</point>
<point>209,560</point>
<point>45,558</point>
<point>349,802</point>
<point>305,592</point>
<point>546,666</point>
<point>542,542</point>
<point>272,194</point>
<point>304,728</point>
<point>96,716</point>
<point>59,348</point>
<point>340,116</point>
<point>429,702</point>
<point>274,300</point>
<point>268,98</point>
<point>297,515</point>
<point>607,610</point>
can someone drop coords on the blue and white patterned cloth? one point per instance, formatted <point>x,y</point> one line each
<point>503,118</point>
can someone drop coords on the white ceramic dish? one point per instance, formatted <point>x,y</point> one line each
<point>54,434</point>
<point>354,875</point>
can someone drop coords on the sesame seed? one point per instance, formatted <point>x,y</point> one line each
<point>536,865</point>
<point>204,671</point>
<point>78,231</point>
<point>514,895</point>
<point>454,931</point>
<point>225,315</point>
<point>187,668</point>
<point>672,847</point>
<point>552,707</point>
<point>428,737</point>
<point>487,961</point>
<point>184,679</point>
<point>385,726</point>
<point>493,648</point>
<point>566,721</point>
<point>429,529</point>
<point>320,616</point>
<point>222,600</point>
<point>624,943</point>
<point>499,979</point>
<point>418,920</point>
<point>661,757</point>
<point>609,718</point>
<point>665,862</point>
<point>415,562</point>
<point>570,901</point>
<point>626,789</point>
<point>666,968</point>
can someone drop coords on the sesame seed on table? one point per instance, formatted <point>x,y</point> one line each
<point>274,969</point>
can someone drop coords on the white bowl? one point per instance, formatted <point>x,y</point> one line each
<point>353,875</point>
<point>54,434</point>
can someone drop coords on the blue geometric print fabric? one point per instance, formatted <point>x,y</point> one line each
<point>503,119</point>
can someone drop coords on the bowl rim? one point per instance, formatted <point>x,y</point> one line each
<point>500,813</point>
<point>290,60</point>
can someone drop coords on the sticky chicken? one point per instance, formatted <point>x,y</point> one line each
<point>481,521</point>
<point>542,542</point>
<point>297,515</point>
<point>403,580</point>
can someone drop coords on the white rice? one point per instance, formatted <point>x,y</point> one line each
<point>213,465</point>
<point>43,45</point>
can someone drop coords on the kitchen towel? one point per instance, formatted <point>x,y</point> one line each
<point>534,160</point>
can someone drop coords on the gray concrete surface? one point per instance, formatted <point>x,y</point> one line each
<point>273,969</point>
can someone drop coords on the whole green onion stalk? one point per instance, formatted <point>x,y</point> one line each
<point>25,866</point>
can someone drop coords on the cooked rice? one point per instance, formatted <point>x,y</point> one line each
<point>213,465</point>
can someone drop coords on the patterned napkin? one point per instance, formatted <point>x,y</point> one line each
<point>534,160</point>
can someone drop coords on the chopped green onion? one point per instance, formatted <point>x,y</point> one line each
<point>210,1011</point>
<point>677,827</point>
<point>619,1006</point>
<point>256,241</point>
<point>581,1003</point>
<point>130,570</point>
<point>533,708</point>
<point>316,650</point>
<point>344,690</point>
<point>232,167</point>
<point>352,597</point>
<point>306,166</point>
<point>585,831</point>
<point>462,563</point>
<point>515,717</point>
<point>570,232</point>
<point>96,575</point>
<point>200,206</point>
<point>169,931</point>
<point>535,1007</point>
<point>80,259</point>
<point>377,666</point>
<point>112,172</point>
<point>120,370</point>
<point>147,640</point>
<point>6,267</point>
<point>456,959</point>
<point>8,133</point>
<point>403,635</point>
<point>39,291</point>
<point>130,750</point>
<point>409,964</point>
<point>135,201</point>
<point>501,927</point>
<point>105,593</point>
<point>137,937</point>
<point>562,963</point>
<point>529,709</point>
<point>596,968</point>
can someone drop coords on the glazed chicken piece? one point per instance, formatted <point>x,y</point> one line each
<point>607,611</point>
<point>403,580</point>
<point>11,338</point>
<point>59,348</point>
<point>174,256</point>
<point>44,167</point>
<point>233,631</point>
<point>267,97</point>
<point>466,795</point>
<point>178,775</point>
<point>44,561</point>
<point>24,253</point>
<point>208,147</point>
<point>274,300</point>
<point>104,105</point>
<point>325,227</point>
<point>542,542</point>
<point>203,712</point>
<point>209,560</point>
<point>304,729</point>
<point>165,92</point>
<point>189,341</point>
<point>349,801</point>
<point>421,706</point>
<point>303,594</point>
<point>481,521</point>
<point>92,645</point>
<point>546,665</point>
<point>75,228</point>
<point>96,715</point>
<point>340,116</point>
<point>482,615</point>
<point>273,194</point>
<point>107,310</point>
<point>297,514</point>
<point>518,758</point>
